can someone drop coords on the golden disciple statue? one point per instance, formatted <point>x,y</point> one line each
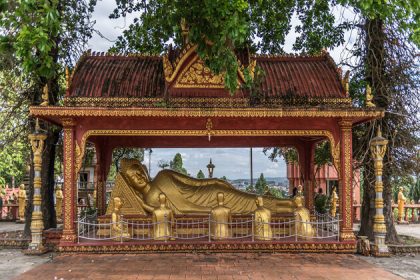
<point>303,218</point>
<point>162,218</point>
<point>119,230</point>
<point>333,202</point>
<point>189,195</point>
<point>22,202</point>
<point>262,216</point>
<point>59,203</point>
<point>401,203</point>
<point>220,217</point>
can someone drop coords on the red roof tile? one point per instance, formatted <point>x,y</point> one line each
<point>142,76</point>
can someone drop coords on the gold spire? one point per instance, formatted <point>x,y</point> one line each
<point>44,96</point>
<point>185,29</point>
<point>369,97</point>
<point>67,78</point>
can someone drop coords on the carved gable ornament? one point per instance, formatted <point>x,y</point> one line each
<point>189,71</point>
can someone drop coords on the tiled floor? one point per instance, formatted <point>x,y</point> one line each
<point>213,266</point>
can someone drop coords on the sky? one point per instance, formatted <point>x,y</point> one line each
<point>234,163</point>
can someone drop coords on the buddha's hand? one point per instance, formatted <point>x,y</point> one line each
<point>145,206</point>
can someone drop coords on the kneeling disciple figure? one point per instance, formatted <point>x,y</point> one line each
<point>304,227</point>
<point>119,230</point>
<point>262,216</point>
<point>162,220</point>
<point>220,219</point>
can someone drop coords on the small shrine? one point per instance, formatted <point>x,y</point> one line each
<point>175,101</point>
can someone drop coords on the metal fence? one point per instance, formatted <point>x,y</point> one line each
<point>205,229</point>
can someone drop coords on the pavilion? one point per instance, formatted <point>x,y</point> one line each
<point>175,101</point>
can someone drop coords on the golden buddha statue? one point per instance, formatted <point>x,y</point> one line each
<point>188,195</point>
<point>220,217</point>
<point>22,202</point>
<point>303,218</point>
<point>262,216</point>
<point>59,203</point>
<point>162,218</point>
<point>401,204</point>
<point>119,230</point>
<point>333,202</point>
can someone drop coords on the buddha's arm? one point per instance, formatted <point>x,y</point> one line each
<point>146,206</point>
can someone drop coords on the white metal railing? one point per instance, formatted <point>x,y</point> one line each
<point>204,228</point>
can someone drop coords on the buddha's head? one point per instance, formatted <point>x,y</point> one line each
<point>22,187</point>
<point>117,203</point>
<point>135,172</point>
<point>259,201</point>
<point>401,189</point>
<point>162,199</point>
<point>299,201</point>
<point>220,198</point>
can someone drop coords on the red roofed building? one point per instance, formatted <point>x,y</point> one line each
<point>176,101</point>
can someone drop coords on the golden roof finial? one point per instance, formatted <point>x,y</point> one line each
<point>44,96</point>
<point>185,29</point>
<point>37,127</point>
<point>67,77</point>
<point>369,97</point>
<point>345,82</point>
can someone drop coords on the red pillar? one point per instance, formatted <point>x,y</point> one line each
<point>103,161</point>
<point>69,193</point>
<point>345,185</point>
<point>306,162</point>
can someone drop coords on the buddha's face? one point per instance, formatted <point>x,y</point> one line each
<point>162,199</point>
<point>259,201</point>
<point>137,178</point>
<point>117,203</point>
<point>298,201</point>
<point>220,198</point>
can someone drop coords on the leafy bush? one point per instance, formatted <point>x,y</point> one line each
<point>321,203</point>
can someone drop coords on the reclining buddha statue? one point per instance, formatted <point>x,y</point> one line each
<point>185,195</point>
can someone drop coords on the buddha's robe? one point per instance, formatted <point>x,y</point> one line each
<point>189,195</point>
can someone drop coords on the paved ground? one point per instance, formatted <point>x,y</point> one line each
<point>10,226</point>
<point>410,230</point>
<point>13,263</point>
<point>408,267</point>
<point>215,266</point>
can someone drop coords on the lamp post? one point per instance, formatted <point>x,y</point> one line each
<point>37,225</point>
<point>378,148</point>
<point>210,168</point>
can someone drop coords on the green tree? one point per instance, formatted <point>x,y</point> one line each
<point>163,164</point>
<point>385,58</point>
<point>177,165</point>
<point>261,185</point>
<point>37,39</point>
<point>220,28</point>
<point>200,175</point>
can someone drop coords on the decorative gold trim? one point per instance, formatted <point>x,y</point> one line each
<point>171,71</point>
<point>346,126</point>
<point>195,102</point>
<point>331,247</point>
<point>199,113</point>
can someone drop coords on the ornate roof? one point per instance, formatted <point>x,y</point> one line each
<point>138,80</point>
